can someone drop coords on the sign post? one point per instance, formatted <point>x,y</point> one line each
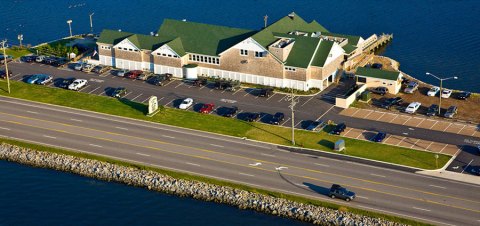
<point>436,160</point>
<point>152,106</point>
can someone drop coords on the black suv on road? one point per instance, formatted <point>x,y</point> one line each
<point>337,191</point>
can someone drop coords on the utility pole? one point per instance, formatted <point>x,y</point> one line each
<point>91,23</point>
<point>265,19</point>
<point>293,102</point>
<point>6,65</point>
<point>69,22</point>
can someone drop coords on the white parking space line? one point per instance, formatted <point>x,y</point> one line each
<point>308,100</point>
<point>236,91</point>
<point>420,122</point>
<point>447,127</point>
<point>433,124</point>
<point>383,113</point>
<point>168,136</point>
<point>269,155</point>
<point>282,98</point>
<point>285,122</point>
<point>76,120</point>
<point>421,209</point>
<point>246,93</point>
<point>443,148</point>
<point>325,113</point>
<point>401,141</point>
<point>271,96</point>
<point>147,99</point>
<point>193,164</point>
<point>32,112</point>
<point>127,95</point>
<point>142,154</point>
<point>429,145</point>
<point>366,116</point>
<point>244,174</point>
<point>393,119</point>
<point>467,166</point>
<point>415,143</point>
<point>14,75</point>
<point>94,145</point>
<point>94,90</point>
<point>179,84</point>
<point>4,128</point>
<point>406,121</point>
<point>49,137</point>
<point>377,175</point>
<point>169,102</point>
<point>202,87</point>
<point>298,123</point>
<point>216,145</point>
<point>19,79</point>
<point>437,186</point>
<point>137,96</point>
<point>360,134</point>
<point>169,83</point>
<point>121,128</point>
<point>319,164</point>
<point>80,90</point>
<point>462,129</point>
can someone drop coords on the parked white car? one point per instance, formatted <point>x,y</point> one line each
<point>87,68</point>
<point>39,59</point>
<point>446,93</point>
<point>77,84</point>
<point>78,66</point>
<point>433,91</point>
<point>413,107</point>
<point>186,103</point>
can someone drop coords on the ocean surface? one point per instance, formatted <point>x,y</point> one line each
<point>35,196</point>
<point>438,36</point>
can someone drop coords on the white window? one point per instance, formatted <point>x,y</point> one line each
<point>244,52</point>
<point>259,54</point>
<point>290,69</point>
<point>203,59</point>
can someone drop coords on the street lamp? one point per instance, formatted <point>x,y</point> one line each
<point>69,22</point>
<point>4,45</point>
<point>20,39</point>
<point>91,23</point>
<point>441,89</point>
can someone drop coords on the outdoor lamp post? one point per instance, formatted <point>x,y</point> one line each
<point>91,23</point>
<point>4,46</point>
<point>69,22</point>
<point>441,89</point>
<point>20,39</point>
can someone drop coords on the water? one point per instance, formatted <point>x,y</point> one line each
<point>438,36</point>
<point>31,196</point>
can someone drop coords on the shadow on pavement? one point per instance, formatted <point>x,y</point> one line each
<point>318,189</point>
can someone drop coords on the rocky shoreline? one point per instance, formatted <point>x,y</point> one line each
<point>185,188</point>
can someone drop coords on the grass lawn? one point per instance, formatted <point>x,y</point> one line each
<point>185,176</point>
<point>16,53</point>
<point>228,126</point>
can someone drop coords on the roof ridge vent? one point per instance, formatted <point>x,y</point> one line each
<point>291,15</point>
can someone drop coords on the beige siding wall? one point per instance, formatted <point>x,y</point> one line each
<point>128,55</point>
<point>315,73</point>
<point>332,67</point>
<point>167,61</point>
<point>104,52</point>
<point>300,74</point>
<point>266,66</point>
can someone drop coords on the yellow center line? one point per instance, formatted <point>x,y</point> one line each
<point>248,158</point>
<point>245,166</point>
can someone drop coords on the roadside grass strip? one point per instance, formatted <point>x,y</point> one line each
<point>192,177</point>
<point>227,126</point>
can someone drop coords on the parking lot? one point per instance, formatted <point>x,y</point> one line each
<point>414,121</point>
<point>407,142</point>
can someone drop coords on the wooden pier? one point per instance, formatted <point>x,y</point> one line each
<point>377,44</point>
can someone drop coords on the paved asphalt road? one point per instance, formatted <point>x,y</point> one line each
<point>423,198</point>
<point>308,108</point>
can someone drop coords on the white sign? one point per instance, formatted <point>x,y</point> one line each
<point>152,104</point>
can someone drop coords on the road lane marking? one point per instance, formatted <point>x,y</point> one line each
<point>94,90</point>
<point>168,136</point>
<point>49,137</point>
<point>362,197</point>
<point>467,166</point>
<point>216,145</point>
<point>319,164</point>
<point>76,120</point>
<point>302,185</point>
<point>280,168</point>
<point>193,164</point>
<point>142,154</point>
<point>437,186</point>
<point>247,158</point>
<point>269,155</point>
<point>255,164</point>
<point>421,209</point>
<point>377,175</point>
<point>244,174</point>
<point>121,128</point>
<point>32,112</point>
<point>94,145</point>
<point>4,128</point>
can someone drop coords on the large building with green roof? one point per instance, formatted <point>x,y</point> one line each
<point>289,53</point>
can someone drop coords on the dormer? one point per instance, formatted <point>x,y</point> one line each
<point>281,48</point>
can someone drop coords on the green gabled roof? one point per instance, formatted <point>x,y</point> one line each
<point>322,53</point>
<point>204,38</point>
<point>148,42</point>
<point>377,73</point>
<point>112,37</point>
<point>287,24</point>
<point>349,48</point>
<point>302,51</point>
<point>177,46</point>
<point>352,39</point>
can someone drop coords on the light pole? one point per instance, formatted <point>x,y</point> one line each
<point>91,23</point>
<point>20,39</point>
<point>5,62</point>
<point>293,102</point>
<point>69,22</point>
<point>441,89</point>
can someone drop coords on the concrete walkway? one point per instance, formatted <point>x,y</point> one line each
<point>452,176</point>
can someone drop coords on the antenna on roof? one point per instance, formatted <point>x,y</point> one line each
<point>291,15</point>
<point>265,19</point>
<point>184,20</point>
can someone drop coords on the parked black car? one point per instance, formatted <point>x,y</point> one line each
<point>28,59</point>
<point>159,80</point>
<point>339,128</point>
<point>66,82</point>
<point>337,191</point>
<point>119,92</point>
<point>432,110</point>
<point>464,95</point>
<point>3,74</point>
<point>391,102</point>
<point>379,137</point>
<point>380,90</point>
<point>59,62</point>
<point>200,82</point>
<point>265,92</point>
<point>49,60</point>
<point>230,112</point>
<point>252,117</point>
<point>277,118</point>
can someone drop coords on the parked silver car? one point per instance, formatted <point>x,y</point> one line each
<point>451,111</point>
<point>411,87</point>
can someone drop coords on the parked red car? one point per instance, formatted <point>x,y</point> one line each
<point>133,74</point>
<point>207,108</point>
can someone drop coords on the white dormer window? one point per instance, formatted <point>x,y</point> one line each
<point>243,52</point>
